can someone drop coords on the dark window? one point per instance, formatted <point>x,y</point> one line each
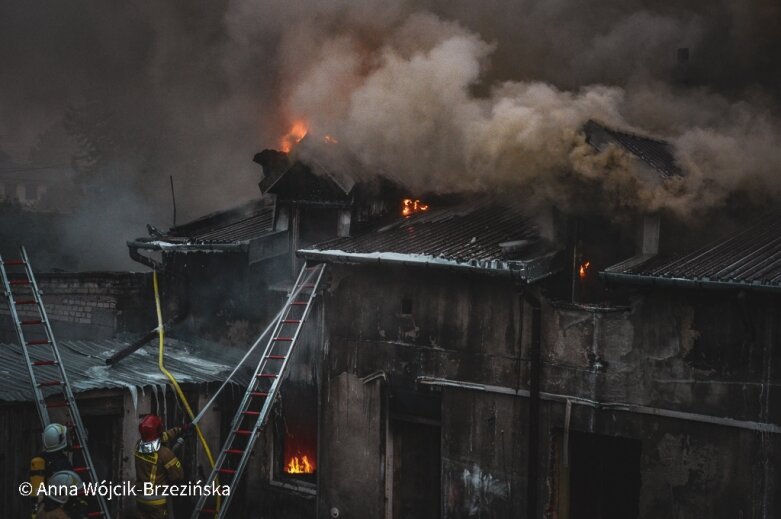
<point>598,477</point>
<point>406,306</point>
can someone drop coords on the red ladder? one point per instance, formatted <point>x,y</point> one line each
<point>256,405</point>
<point>44,364</point>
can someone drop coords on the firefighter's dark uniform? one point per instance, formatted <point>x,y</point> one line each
<point>41,469</point>
<point>159,468</point>
<point>52,510</point>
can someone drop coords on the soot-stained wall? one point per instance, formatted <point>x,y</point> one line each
<point>707,355</point>
<point>702,355</point>
<point>408,323</point>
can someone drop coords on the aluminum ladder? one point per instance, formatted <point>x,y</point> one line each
<point>44,364</point>
<point>258,400</point>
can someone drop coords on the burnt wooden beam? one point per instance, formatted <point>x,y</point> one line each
<point>140,342</point>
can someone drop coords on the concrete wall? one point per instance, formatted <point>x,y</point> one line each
<point>459,327</point>
<point>689,352</point>
<point>709,355</point>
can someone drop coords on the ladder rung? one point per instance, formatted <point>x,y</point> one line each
<point>291,321</point>
<point>58,404</point>
<point>13,262</point>
<point>299,303</point>
<point>307,285</point>
<point>276,357</point>
<point>226,471</point>
<point>50,383</point>
<point>234,451</point>
<point>19,282</point>
<point>80,469</point>
<point>31,321</point>
<point>38,342</point>
<point>267,375</point>
<point>25,302</point>
<point>76,447</point>
<point>259,393</point>
<point>251,413</point>
<point>208,511</point>
<point>243,432</point>
<point>282,339</point>
<point>44,363</point>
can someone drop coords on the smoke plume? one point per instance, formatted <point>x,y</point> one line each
<point>437,94</point>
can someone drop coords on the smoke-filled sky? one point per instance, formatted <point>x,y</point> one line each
<point>445,93</point>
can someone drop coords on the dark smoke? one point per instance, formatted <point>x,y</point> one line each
<point>463,94</point>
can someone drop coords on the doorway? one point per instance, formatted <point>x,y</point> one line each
<point>417,465</point>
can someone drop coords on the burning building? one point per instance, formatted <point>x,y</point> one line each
<point>474,356</point>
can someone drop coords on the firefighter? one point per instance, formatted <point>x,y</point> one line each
<point>54,458</point>
<point>156,463</point>
<point>55,505</point>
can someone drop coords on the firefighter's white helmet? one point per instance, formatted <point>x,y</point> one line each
<point>58,480</point>
<point>55,437</point>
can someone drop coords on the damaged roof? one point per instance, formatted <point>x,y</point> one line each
<point>232,227</point>
<point>484,236</point>
<point>750,259</point>
<point>85,366</point>
<point>655,153</point>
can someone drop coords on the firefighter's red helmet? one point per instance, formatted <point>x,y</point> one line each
<point>151,428</point>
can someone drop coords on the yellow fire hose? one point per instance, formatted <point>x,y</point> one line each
<point>174,383</point>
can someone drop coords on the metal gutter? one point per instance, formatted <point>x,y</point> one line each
<point>144,260</point>
<point>607,406</point>
<point>521,270</point>
<point>656,281</point>
<point>164,246</point>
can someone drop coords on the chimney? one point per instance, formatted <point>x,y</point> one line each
<point>343,223</point>
<point>682,71</point>
<point>648,235</point>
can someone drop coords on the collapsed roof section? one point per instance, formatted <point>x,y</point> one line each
<point>750,259</point>
<point>309,183</point>
<point>485,237</point>
<point>233,230</point>
<point>656,154</point>
<point>86,368</point>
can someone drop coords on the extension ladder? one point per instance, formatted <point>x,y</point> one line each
<point>255,407</point>
<point>44,364</point>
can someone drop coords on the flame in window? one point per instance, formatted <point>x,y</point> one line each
<point>583,270</point>
<point>328,139</point>
<point>299,465</point>
<point>410,206</point>
<point>294,136</point>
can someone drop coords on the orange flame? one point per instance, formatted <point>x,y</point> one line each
<point>583,271</point>
<point>294,136</point>
<point>330,140</point>
<point>300,465</point>
<point>410,206</point>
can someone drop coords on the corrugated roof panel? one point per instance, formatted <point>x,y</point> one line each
<point>86,369</point>
<point>461,233</point>
<point>751,258</point>
<point>470,235</point>
<point>243,223</point>
<point>656,153</point>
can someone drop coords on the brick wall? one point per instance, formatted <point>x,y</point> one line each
<point>90,305</point>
